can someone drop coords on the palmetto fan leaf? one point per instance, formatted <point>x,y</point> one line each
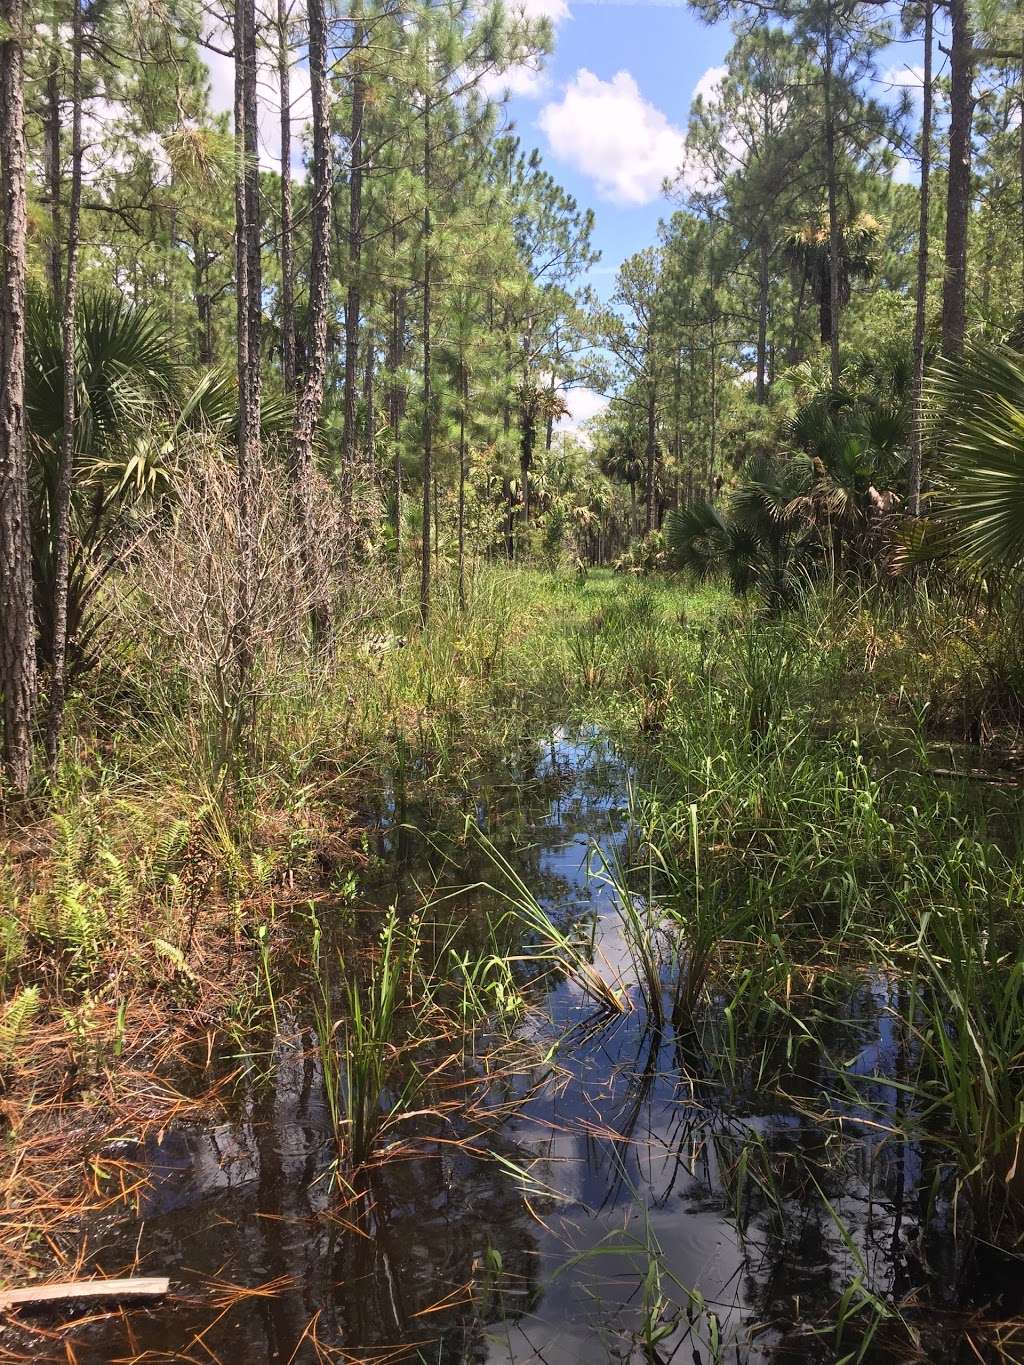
<point>698,538</point>
<point>976,409</point>
<point>770,491</point>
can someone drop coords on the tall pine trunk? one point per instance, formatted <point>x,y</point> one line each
<point>958,192</point>
<point>463,453</point>
<point>17,624</point>
<point>527,441</point>
<point>353,300</point>
<point>310,403</point>
<point>396,357</point>
<point>248,298</point>
<point>920,314</point>
<point>651,454</point>
<point>428,417</point>
<point>286,246</point>
<point>760,387</point>
<point>369,434</point>
<point>68,442</point>
<point>834,243</point>
<point>51,161</point>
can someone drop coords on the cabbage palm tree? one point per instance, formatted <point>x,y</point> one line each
<point>806,248</point>
<point>760,536</point>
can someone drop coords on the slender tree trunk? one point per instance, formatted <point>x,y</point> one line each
<point>311,397</point>
<point>286,246</point>
<point>760,389</point>
<point>204,303</point>
<point>368,390</point>
<point>51,163</point>
<point>834,244</point>
<point>248,295</point>
<point>958,192</point>
<point>350,441</point>
<point>713,423</point>
<point>428,416</point>
<point>463,452</point>
<point>650,482</point>
<point>677,395</point>
<point>527,440</point>
<point>921,309</point>
<point>69,430</point>
<point>17,624</point>
<point>396,348</point>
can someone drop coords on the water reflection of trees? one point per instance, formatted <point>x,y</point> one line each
<point>252,1202</point>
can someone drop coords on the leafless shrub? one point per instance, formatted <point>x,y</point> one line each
<point>235,631</point>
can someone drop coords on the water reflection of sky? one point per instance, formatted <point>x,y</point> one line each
<point>640,1154</point>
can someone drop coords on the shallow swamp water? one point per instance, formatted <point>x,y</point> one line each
<point>634,1198</point>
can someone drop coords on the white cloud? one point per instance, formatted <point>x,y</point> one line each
<point>221,69</point>
<point>607,130</point>
<point>583,404</point>
<point>709,87</point>
<point>524,79</point>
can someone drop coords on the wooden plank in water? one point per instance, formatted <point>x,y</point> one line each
<point>137,1287</point>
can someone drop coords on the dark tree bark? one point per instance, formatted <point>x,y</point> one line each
<point>17,626</point>
<point>307,412</point>
<point>396,398</point>
<point>834,244</point>
<point>651,455</point>
<point>66,469</point>
<point>527,442</point>
<point>248,297</point>
<point>204,300</point>
<point>463,460</point>
<point>958,192</point>
<point>713,411</point>
<point>286,247</point>
<point>760,387</point>
<point>428,416</point>
<point>51,163</point>
<point>920,314</point>
<point>369,417</point>
<point>353,299</point>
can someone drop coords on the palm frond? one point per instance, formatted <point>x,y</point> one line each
<point>976,408</point>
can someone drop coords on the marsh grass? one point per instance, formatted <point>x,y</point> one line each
<point>794,825</point>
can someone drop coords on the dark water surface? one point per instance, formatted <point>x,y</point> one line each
<point>654,1170</point>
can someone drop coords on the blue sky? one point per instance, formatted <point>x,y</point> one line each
<point>609,113</point>
<point>610,110</point>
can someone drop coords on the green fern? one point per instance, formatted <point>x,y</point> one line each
<point>172,845</point>
<point>175,957</point>
<point>81,924</point>
<point>15,1022</point>
<point>12,942</point>
<point>119,884</point>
